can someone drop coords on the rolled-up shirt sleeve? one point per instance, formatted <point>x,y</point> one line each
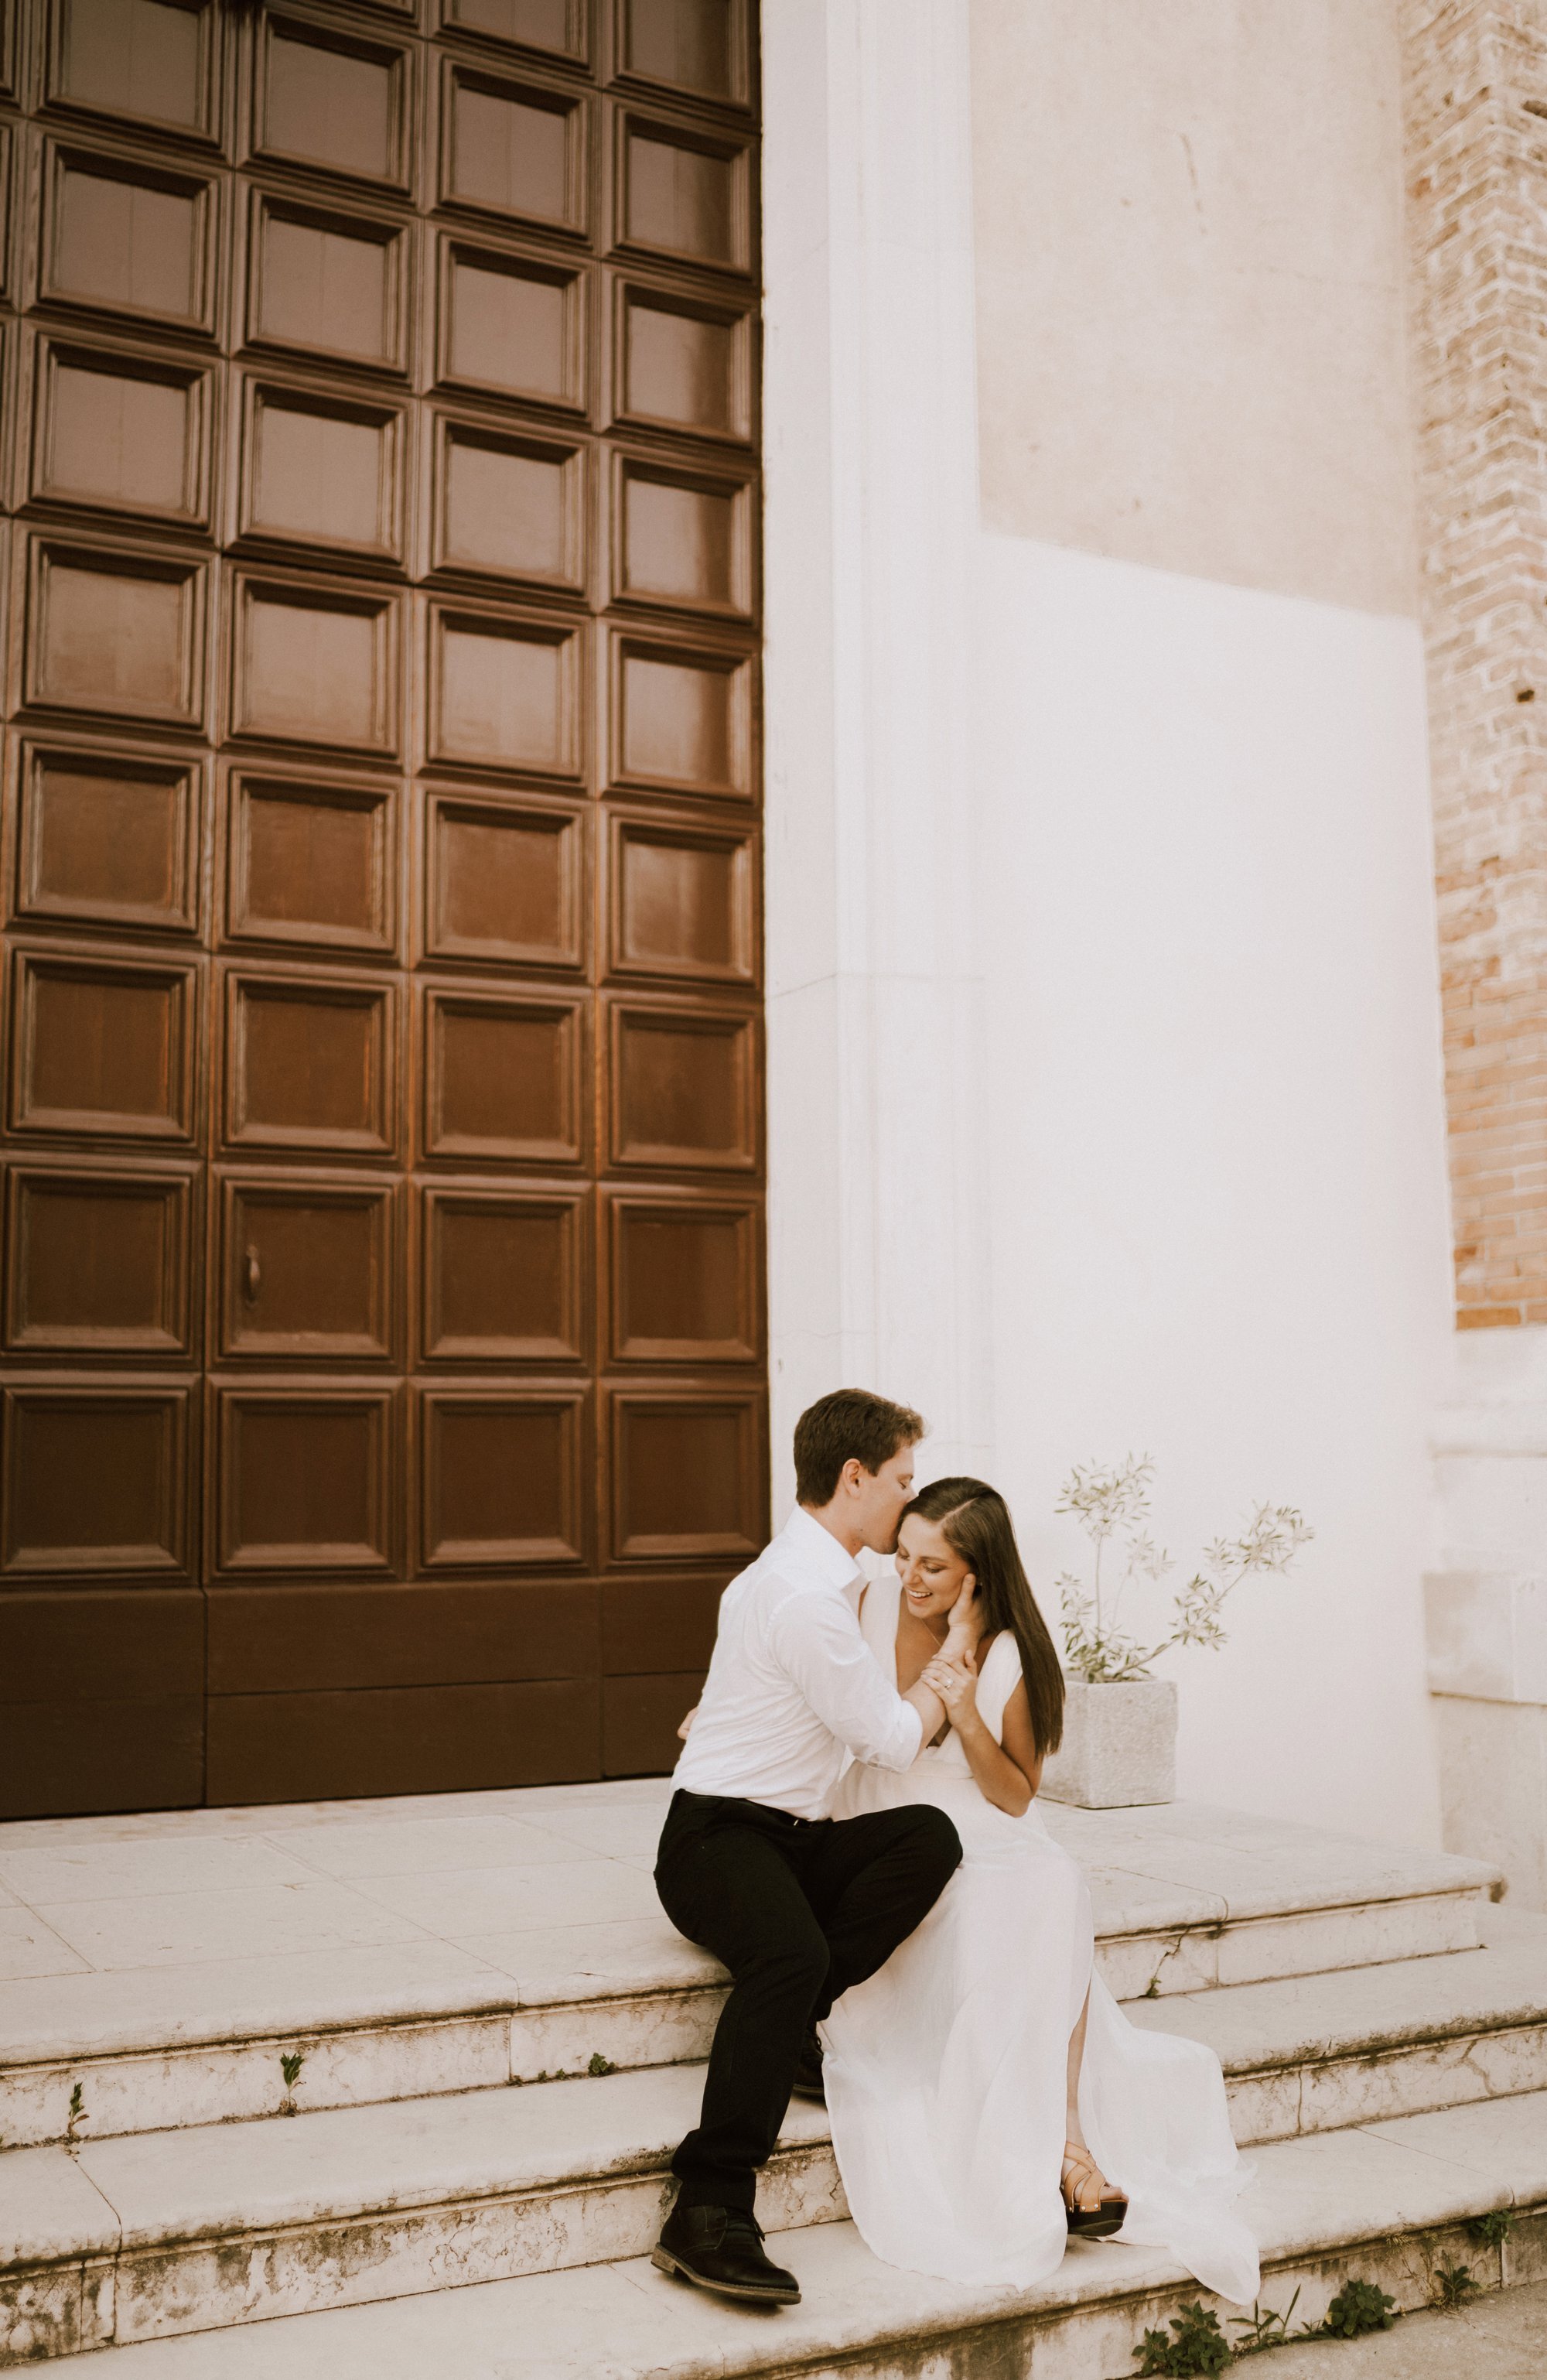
<point>817,1640</point>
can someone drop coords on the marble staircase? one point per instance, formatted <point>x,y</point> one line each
<point>310,2090</point>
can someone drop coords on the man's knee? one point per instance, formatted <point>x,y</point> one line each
<point>935,1841</point>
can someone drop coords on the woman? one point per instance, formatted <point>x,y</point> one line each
<point>987,2095</point>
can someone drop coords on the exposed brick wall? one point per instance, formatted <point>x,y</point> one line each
<point>1475,136</point>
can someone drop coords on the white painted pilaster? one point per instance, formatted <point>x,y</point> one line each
<point>875,1263</point>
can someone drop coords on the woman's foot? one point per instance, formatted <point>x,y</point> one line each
<point>1093,2209</point>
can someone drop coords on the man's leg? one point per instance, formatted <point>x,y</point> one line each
<point>869,1882</point>
<point>729,1880</point>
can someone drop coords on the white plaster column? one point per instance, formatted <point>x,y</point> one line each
<point>874,969</point>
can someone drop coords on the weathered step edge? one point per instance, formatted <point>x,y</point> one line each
<point>511,2037</point>
<point>1084,2324</point>
<point>112,2296</point>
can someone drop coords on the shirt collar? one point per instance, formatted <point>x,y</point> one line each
<point>820,1550</point>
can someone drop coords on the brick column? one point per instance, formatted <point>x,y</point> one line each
<point>1476,136</point>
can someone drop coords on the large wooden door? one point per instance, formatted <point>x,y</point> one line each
<point>383,1313</point>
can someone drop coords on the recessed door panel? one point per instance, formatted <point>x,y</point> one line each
<point>502,1478</point>
<point>96,1480</point>
<point>682,193</point>
<point>102,1048</point>
<point>502,1078</point>
<point>509,507</point>
<point>512,149</point>
<point>328,285</point>
<point>118,634</point>
<point>505,693</point>
<point>322,471</point>
<point>149,61</point>
<point>512,326</point>
<point>559,26</point>
<point>107,840</point>
<point>127,237</point>
<point>683,363</point>
<point>505,883</point>
<point>307,1269</point>
<point>304,1479</point>
<point>309,1064</point>
<point>314,665</point>
<point>120,433</point>
<point>679,539</point>
<point>698,46</point>
<point>503,1279</point>
<point>682,900</point>
<point>97,1263</point>
<point>686,1474</point>
<point>684,1281</point>
<point>682,717</point>
<point>310,863</point>
<point>683,1091</point>
<point>322,99</point>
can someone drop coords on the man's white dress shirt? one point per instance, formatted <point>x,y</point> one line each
<point>793,1685</point>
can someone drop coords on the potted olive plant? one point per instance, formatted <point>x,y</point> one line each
<point>1119,1745</point>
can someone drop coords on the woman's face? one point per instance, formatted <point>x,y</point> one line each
<point>932,1572</point>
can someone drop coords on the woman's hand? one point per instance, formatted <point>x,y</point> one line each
<point>966,1621</point>
<point>956,1683</point>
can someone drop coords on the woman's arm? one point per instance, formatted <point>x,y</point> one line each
<point>1007,1776</point>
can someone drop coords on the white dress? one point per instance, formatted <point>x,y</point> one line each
<point>947,2071</point>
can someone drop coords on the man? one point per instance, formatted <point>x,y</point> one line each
<point>796,1905</point>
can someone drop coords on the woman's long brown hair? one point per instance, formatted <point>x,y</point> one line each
<point>974,1520</point>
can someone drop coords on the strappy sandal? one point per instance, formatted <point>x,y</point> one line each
<point>1082,2184</point>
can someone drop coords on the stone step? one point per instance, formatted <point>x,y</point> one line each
<point>1389,2203</point>
<point>1186,1899</point>
<point>157,2233</point>
<point>211,2226</point>
<point>1320,2053</point>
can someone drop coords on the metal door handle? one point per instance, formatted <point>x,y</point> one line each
<point>252,1276</point>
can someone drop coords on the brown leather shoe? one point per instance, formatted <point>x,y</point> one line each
<point>719,2248</point>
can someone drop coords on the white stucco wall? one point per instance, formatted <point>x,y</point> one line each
<point>1219,1223</point>
<point>1104,1099</point>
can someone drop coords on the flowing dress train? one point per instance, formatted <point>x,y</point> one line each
<point>947,2071</point>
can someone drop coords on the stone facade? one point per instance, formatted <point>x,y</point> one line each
<point>1476,103</point>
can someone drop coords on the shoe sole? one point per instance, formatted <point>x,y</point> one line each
<point>1101,2227</point>
<point>664,2262</point>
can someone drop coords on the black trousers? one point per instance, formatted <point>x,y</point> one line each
<point>798,1910</point>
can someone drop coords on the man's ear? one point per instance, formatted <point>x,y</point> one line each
<point>851,1473</point>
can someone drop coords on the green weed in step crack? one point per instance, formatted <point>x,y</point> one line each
<point>1264,2328</point>
<point>77,2115</point>
<point>1454,2285</point>
<point>1199,2346</point>
<point>1493,2230</point>
<point>1358,2307</point>
<point>601,2065</point>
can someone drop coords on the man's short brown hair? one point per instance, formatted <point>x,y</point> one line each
<point>850,1422</point>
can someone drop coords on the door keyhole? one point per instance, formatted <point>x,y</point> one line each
<point>252,1276</point>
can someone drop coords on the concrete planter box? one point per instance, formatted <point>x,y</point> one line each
<point>1120,1746</point>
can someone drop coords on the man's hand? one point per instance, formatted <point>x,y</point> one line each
<point>686,1727</point>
